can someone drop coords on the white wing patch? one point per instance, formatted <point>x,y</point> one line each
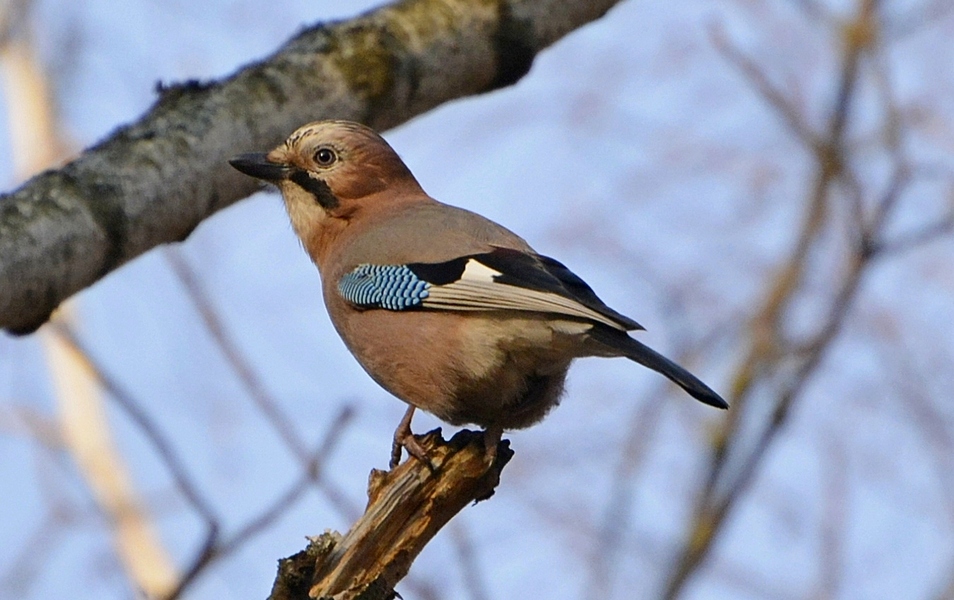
<point>477,290</point>
<point>478,272</point>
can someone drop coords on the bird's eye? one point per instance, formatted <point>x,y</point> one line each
<point>325,156</point>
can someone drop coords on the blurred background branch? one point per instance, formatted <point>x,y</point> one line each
<point>779,364</point>
<point>83,427</point>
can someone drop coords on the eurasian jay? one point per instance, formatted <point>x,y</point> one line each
<point>449,311</point>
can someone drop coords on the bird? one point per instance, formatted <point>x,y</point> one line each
<point>445,309</point>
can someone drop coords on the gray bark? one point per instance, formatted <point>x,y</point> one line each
<point>153,181</point>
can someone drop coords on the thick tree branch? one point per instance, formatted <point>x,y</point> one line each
<point>153,181</point>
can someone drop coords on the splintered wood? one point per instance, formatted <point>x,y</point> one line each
<point>406,508</point>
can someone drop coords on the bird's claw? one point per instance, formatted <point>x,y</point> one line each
<point>413,447</point>
<point>404,439</point>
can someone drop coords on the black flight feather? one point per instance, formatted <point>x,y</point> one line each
<point>524,270</point>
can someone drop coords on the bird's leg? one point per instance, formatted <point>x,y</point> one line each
<point>404,438</point>
<point>492,437</point>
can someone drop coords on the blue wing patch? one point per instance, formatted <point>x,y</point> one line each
<point>393,287</point>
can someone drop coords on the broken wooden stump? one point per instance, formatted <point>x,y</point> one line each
<point>406,508</point>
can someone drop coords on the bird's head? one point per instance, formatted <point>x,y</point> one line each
<point>332,169</point>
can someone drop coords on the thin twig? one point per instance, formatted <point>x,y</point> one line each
<point>18,579</point>
<point>918,19</point>
<point>314,472</point>
<point>917,237</point>
<point>212,552</point>
<point>163,447</point>
<point>474,580</point>
<point>247,375</point>
<point>61,512</point>
<point>761,83</point>
<point>816,12</point>
<point>766,353</point>
<point>31,423</point>
<point>834,516</point>
<point>13,18</point>
<point>643,423</point>
<point>236,359</point>
<point>910,375</point>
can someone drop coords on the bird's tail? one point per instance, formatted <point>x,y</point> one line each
<point>617,343</point>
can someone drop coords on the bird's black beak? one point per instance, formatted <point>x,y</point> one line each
<point>257,165</point>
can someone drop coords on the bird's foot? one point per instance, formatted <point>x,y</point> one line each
<point>414,449</point>
<point>404,439</point>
